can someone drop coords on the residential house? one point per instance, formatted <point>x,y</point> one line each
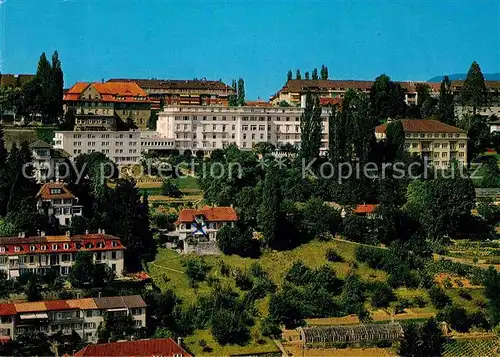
<point>107,106</point>
<point>165,347</point>
<point>38,254</point>
<point>55,199</point>
<point>433,140</point>
<point>197,228</point>
<point>46,161</point>
<point>80,315</point>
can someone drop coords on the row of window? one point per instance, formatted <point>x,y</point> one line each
<point>101,136</point>
<point>66,246</point>
<point>431,135</point>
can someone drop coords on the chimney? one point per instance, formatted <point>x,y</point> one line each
<point>103,231</point>
<point>19,235</point>
<point>23,235</point>
<point>179,341</point>
<point>100,294</point>
<point>42,233</point>
<point>37,232</point>
<point>86,232</point>
<point>99,231</point>
<point>68,233</point>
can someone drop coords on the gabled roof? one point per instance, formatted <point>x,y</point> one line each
<point>210,214</point>
<point>114,302</point>
<point>165,347</point>
<point>45,191</point>
<point>109,92</point>
<point>40,144</point>
<point>422,126</point>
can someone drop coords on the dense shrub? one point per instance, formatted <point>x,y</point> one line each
<point>382,295</point>
<point>243,280</point>
<point>196,270</point>
<point>269,328</point>
<point>456,317</point>
<point>438,297</point>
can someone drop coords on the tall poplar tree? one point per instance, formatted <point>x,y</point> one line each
<point>474,93</point>
<point>269,212</point>
<point>315,74</point>
<point>57,88</point>
<point>310,128</point>
<point>241,92</point>
<point>306,75</point>
<point>298,75</point>
<point>233,98</point>
<point>446,105</point>
<point>289,75</point>
<point>324,72</point>
<point>387,99</point>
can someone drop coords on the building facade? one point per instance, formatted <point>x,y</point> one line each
<point>80,315</point>
<point>294,91</point>
<point>107,106</point>
<point>45,160</point>
<point>215,127</point>
<point>439,143</point>
<point>197,228</point>
<point>183,92</point>
<point>55,199</point>
<point>38,254</point>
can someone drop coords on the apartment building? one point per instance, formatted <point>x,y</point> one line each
<point>106,106</point>
<point>294,91</point>
<point>80,315</point>
<point>165,347</point>
<point>55,199</point>
<point>45,160</point>
<point>123,147</point>
<point>38,254</point>
<point>215,127</point>
<point>438,142</point>
<point>491,110</point>
<point>183,92</point>
<point>197,228</point>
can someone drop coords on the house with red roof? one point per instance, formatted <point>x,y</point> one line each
<point>80,315</point>
<point>106,105</point>
<point>55,199</point>
<point>38,254</point>
<point>165,347</point>
<point>432,140</point>
<point>197,228</point>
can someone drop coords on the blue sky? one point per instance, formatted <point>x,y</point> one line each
<point>256,40</point>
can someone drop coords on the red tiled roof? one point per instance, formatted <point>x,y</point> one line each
<point>365,208</point>
<point>422,126</point>
<point>330,101</point>
<point>46,244</point>
<point>165,347</point>
<point>47,195</point>
<point>211,214</point>
<point>109,92</point>
<point>7,309</point>
<point>258,103</point>
<point>131,301</point>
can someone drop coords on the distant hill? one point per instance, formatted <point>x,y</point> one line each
<point>461,76</point>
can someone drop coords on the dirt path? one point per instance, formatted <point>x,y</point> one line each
<point>167,268</point>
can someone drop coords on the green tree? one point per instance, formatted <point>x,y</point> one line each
<point>310,128</point>
<point>115,327</point>
<point>315,74</point>
<point>233,98</point>
<point>264,148</point>
<point>87,274</point>
<point>387,99</point>
<point>170,189</point>
<point>289,75</point>
<point>56,88</point>
<point>298,75</point>
<point>421,340</point>
<point>324,72</point>
<point>32,344</point>
<point>230,327</point>
<point>491,284</point>
<point>234,240</point>
<point>34,288</point>
<point>306,76</point>
<point>396,139</point>
<point>340,139</point>
<point>319,218</point>
<point>358,116</point>
<point>446,103</point>
<point>491,172</point>
<point>196,270</point>
<point>241,92</point>
<point>474,93</point>
<point>268,215</point>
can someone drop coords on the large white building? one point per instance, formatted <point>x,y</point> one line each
<point>208,128</point>
<point>194,128</point>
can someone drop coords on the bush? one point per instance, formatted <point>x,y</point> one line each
<point>456,317</point>
<point>269,328</point>
<point>170,189</point>
<point>333,256</point>
<point>225,270</point>
<point>438,297</point>
<point>382,295</point>
<point>299,274</point>
<point>419,301</point>
<point>243,280</point>
<point>464,294</point>
<point>196,270</point>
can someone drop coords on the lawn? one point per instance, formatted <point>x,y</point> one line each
<point>18,136</point>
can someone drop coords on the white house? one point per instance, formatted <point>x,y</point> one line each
<point>55,199</point>
<point>197,228</point>
<point>45,160</point>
